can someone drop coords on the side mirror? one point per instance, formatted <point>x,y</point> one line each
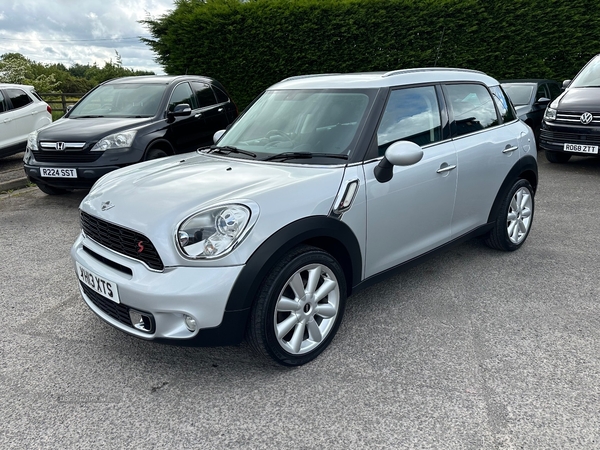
<point>542,101</point>
<point>69,108</point>
<point>566,84</point>
<point>218,135</point>
<point>183,109</point>
<point>401,153</point>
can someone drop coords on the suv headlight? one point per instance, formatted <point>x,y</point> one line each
<point>550,114</point>
<point>117,140</point>
<point>32,140</point>
<point>213,232</point>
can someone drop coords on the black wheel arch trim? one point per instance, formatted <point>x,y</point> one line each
<point>324,232</point>
<point>526,168</point>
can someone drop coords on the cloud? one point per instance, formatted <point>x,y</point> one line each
<point>80,31</point>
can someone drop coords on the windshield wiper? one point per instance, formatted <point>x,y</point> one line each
<point>304,155</point>
<point>227,149</point>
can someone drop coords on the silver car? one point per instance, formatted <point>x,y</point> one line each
<point>323,186</point>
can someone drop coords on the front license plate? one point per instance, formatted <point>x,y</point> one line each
<point>59,173</point>
<point>100,285</point>
<point>581,148</point>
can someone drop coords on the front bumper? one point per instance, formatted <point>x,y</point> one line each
<point>199,292</point>
<point>554,137</point>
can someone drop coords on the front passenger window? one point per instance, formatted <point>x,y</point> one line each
<point>411,114</point>
<point>182,94</point>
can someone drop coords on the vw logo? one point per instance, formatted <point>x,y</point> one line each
<point>586,118</point>
<point>59,146</point>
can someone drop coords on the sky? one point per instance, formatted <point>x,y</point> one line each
<point>80,31</point>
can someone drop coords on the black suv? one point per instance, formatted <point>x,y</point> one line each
<point>125,121</point>
<point>571,124</point>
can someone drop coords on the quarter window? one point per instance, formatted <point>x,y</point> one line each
<point>472,106</point>
<point>3,105</point>
<point>411,114</point>
<point>503,104</point>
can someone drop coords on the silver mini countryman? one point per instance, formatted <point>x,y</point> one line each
<point>324,185</point>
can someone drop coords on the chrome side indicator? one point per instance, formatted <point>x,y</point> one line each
<point>345,201</point>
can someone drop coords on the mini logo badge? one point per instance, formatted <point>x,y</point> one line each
<point>106,206</point>
<point>60,146</point>
<point>140,246</point>
<point>586,118</point>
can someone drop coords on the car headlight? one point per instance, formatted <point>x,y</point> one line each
<point>32,140</point>
<point>550,114</point>
<point>214,232</point>
<point>117,140</point>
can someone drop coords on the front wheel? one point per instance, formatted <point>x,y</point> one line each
<point>155,153</point>
<point>557,157</point>
<point>299,307</point>
<point>514,219</point>
<point>51,190</point>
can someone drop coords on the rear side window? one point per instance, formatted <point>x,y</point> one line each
<point>505,108</point>
<point>3,105</point>
<point>204,94</point>
<point>18,98</point>
<point>411,114</point>
<point>182,94</point>
<point>472,107</point>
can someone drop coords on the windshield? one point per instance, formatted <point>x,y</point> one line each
<point>520,94</point>
<point>589,75</point>
<point>121,100</point>
<point>322,124</point>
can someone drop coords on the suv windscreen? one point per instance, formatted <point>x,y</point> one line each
<point>589,75</point>
<point>301,121</point>
<point>120,100</point>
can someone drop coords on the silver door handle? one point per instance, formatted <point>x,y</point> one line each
<point>446,169</point>
<point>510,149</point>
<point>198,115</point>
<point>220,110</point>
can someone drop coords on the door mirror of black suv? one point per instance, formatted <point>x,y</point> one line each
<point>542,101</point>
<point>183,109</point>
<point>566,84</point>
<point>401,153</point>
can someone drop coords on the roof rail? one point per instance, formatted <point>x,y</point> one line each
<point>300,77</point>
<point>429,69</point>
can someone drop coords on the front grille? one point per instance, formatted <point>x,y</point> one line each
<point>117,311</point>
<point>569,138</point>
<point>574,118</point>
<point>66,157</point>
<point>121,240</point>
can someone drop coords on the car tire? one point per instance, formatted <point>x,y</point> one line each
<point>155,153</point>
<point>514,218</point>
<point>557,157</point>
<point>51,190</point>
<point>298,308</point>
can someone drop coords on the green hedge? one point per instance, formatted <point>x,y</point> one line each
<point>250,45</point>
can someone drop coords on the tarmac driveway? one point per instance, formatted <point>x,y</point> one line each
<point>474,349</point>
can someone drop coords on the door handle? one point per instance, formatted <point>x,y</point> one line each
<point>446,169</point>
<point>198,115</point>
<point>510,149</point>
<point>220,110</point>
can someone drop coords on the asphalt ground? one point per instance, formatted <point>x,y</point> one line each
<point>474,349</point>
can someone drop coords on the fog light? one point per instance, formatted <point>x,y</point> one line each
<point>190,322</point>
<point>140,321</point>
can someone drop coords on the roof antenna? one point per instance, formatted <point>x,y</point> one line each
<point>439,48</point>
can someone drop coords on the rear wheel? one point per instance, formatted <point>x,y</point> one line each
<point>514,218</point>
<point>299,307</point>
<point>51,190</point>
<point>557,157</point>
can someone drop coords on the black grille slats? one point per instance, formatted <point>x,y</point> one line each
<point>115,310</point>
<point>67,157</point>
<point>570,138</point>
<point>121,240</point>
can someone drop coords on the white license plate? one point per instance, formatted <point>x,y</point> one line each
<point>581,148</point>
<point>59,173</point>
<point>100,285</point>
